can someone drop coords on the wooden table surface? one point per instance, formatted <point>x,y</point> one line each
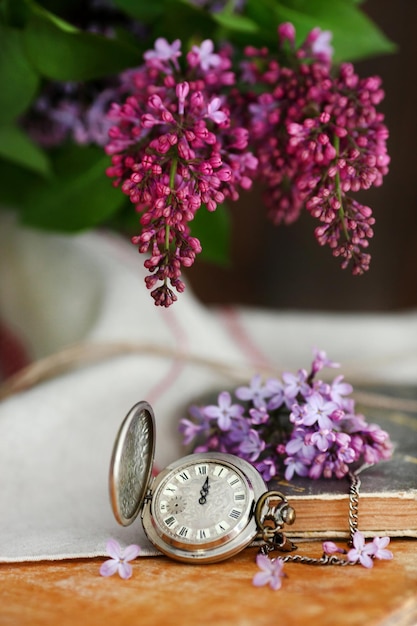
<point>161,591</point>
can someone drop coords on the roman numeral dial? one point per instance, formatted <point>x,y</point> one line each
<point>202,504</point>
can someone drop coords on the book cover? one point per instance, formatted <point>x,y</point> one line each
<point>388,491</point>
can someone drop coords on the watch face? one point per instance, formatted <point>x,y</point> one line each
<point>202,504</point>
<point>202,508</point>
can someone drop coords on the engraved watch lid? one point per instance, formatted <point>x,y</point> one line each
<point>131,463</point>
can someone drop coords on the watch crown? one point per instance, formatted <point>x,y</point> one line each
<point>288,515</point>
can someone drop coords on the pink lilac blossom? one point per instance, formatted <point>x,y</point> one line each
<point>119,561</point>
<point>164,51</point>
<point>380,548</point>
<point>319,42</point>
<point>296,425</point>
<point>364,553</point>
<point>318,137</point>
<point>329,547</point>
<point>271,572</point>
<point>175,147</point>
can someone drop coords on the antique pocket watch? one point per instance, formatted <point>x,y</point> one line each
<point>203,508</point>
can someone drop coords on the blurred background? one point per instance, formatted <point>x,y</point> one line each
<point>284,267</point>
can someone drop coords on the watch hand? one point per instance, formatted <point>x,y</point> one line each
<point>204,492</point>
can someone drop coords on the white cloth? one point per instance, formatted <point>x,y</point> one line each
<point>56,437</point>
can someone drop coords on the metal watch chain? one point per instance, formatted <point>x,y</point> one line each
<point>279,512</point>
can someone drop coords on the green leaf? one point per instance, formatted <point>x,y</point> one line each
<point>355,36</point>
<point>59,22</point>
<point>185,22</point>
<point>213,231</point>
<point>14,12</point>
<point>18,79</point>
<point>234,21</point>
<point>263,13</point>
<point>65,54</point>
<point>80,197</point>
<point>142,11</point>
<point>16,146</point>
<point>16,184</point>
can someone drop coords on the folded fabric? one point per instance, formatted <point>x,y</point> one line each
<point>56,437</point>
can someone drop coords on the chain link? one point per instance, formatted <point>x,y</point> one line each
<point>355,483</point>
<point>326,559</point>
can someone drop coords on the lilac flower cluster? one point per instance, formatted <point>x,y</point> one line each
<point>192,130</point>
<point>174,147</point>
<point>318,137</point>
<point>181,140</point>
<point>296,425</point>
<point>72,111</point>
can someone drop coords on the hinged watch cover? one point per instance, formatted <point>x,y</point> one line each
<point>131,463</point>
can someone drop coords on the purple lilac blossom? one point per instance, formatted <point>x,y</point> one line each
<point>267,468</point>
<point>256,392</point>
<point>320,436</point>
<point>295,384</point>
<point>295,466</point>
<point>252,446</point>
<point>259,415</point>
<point>275,389</point>
<point>323,439</point>
<point>194,429</point>
<point>339,389</point>
<point>318,410</point>
<point>321,360</point>
<point>224,412</point>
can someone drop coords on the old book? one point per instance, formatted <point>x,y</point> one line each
<point>388,491</point>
